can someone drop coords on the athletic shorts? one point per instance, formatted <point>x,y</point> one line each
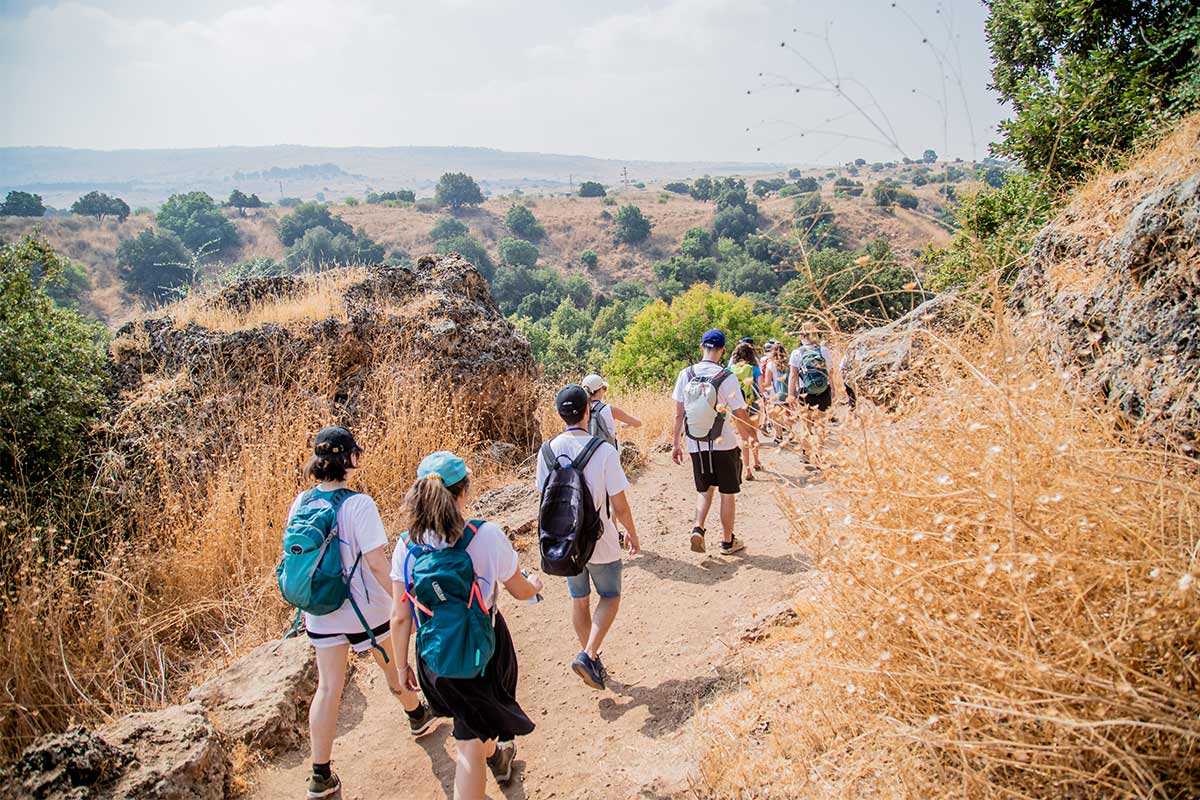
<point>606,577</point>
<point>821,401</point>
<point>719,468</point>
<point>359,641</point>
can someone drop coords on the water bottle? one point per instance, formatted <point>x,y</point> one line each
<point>537,598</point>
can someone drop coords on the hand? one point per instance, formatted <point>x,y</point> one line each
<point>631,540</point>
<point>677,454</point>
<point>537,584</point>
<point>410,679</point>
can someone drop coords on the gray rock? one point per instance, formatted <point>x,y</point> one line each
<point>514,508</point>
<point>177,755</point>
<point>75,765</point>
<point>262,698</point>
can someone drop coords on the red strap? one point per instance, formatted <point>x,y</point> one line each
<point>410,598</point>
<point>476,593</point>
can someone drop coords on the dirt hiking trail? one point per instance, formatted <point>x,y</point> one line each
<point>669,650</point>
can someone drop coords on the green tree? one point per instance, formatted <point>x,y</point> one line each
<point>734,223</point>
<point>532,293</point>
<point>152,265</point>
<point>678,187</point>
<point>100,205</point>
<point>929,156</point>
<point>868,286</point>
<point>632,294</point>
<point>521,221</point>
<point>447,228</point>
<point>52,376</point>
<point>702,189</point>
<point>318,248</point>
<point>632,225</point>
<point>592,189</point>
<point>517,252</point>
<point>457,189</point>
<point>66,285</point>
<point>578,289</point>
<point>22,204</point>
<point>307,216</point>
<point>195,218</point>
<point>815,222</point>
<point>239,200</point>
<point>589,258</point>
<point>472,250</point>
<point>1087,78</point>
<point>883,194</point>
<point>697,243</point>
<point>663,338</point>
<point>748,276</point>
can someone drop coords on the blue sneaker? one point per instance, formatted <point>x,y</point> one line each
<point>589,670</point>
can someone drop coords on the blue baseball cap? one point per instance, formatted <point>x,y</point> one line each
<point>447,466</point>
<point>713,338</point>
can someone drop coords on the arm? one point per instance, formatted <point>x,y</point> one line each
<point>401,625</point>
<point>745,427</point>
<point>793,380</point>
<point>377,562</point>
<point>523,588</point>
<point>628,419</point>
<point>624,515</point>
<point>677,450</point>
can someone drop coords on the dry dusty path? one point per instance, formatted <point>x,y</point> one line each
<point>669,649</point>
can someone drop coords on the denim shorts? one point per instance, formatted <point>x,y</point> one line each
<point>607,578</point>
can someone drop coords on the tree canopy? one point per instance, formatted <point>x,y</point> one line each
<point>22,204</point>
<point>310,215</point>
<point>521,221</point>
<point>592,189</point>
<point>457,189</point>
<point>632,225</point>
<point>199,223</point>
<point>153,265</point>
<point>100,205</point>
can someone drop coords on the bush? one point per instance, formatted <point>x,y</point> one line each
<point>678,187</point>
<point>153,265</point>
<point>589,259</point>
<point>517,252</point>
<point>845,187</point>
<point>764,187</point>
<point>401,196</point>
<point>319,248</point>
<point>289,202</point>
<point>522,223</point>
<point>447,228</point>
<point>906,199</point>
<point>198,222</point>
<point>350,201</point>
<point>883,195</point>
<point>866,287</point>
<point>472,250</point>
<point>702,189</point>
<point>592,189</point>
<point>100,205</point>
<point>608,201</point>
<point>22,204</point>
<point>664,339</point>
<point>678,273</point>
<point>52,377</point>
<point>532,293</point>
<point>815,222</point>
<point>307,216</point>
<point>67,287</point>
<point>457,189</point>
<point>632,225</point>
<point>734,223</point>
<point>697,243</point>
<point>746,276</point>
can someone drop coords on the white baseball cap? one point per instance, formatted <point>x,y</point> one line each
<point>594,383</point>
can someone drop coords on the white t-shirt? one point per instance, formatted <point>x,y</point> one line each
<point>360,530</point>
<point>604,477</point>
<point>729,394</point>
<point>606,415</point>
<point>491,553</point>
<point>794,361</point>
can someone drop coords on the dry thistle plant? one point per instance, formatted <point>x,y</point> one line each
<point>1007,607</point>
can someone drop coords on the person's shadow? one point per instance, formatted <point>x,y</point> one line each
<point>715,569</point>
<point>670,703</point>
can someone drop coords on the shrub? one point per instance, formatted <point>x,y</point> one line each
<point>697,243</point>
<point>663,339</point>
<point>517,252</point>
<point>868,286</point>
<point>307,216</point>
<point>608,201</point>
<point>472,250</point>
<point>289,202</point>
<point>447,228</point>
<point>22,204</point>
<point>153,265</point>
<point>632,225</point>
<point>589,259</point>
<point>522,223</point>
<point>592,189</point>
<point>401,196</point>
<point>52,376</point>
<point>883,195</point>
<point>906,199</point>
<point>457,189</point>
<point>815,222</point>
<point>845,187</point>
<point>67,286</point>
<point>734,223</point>
<point>198,222</point>
<point>350,201</point>
<point>678,187</point>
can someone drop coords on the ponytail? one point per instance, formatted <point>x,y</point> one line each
<point>431,506</point>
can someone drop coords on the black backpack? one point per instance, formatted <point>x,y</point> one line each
<point>569,524</point>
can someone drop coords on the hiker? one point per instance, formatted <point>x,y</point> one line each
<point>446,576</point>
<point>602,416</point>
<point>776,380</point>
<point>361,622</point>
<point>810,384</point>
<point>704,396</point>
<point>744,366</point>
<point>744,340</point>
<point>605,483</point>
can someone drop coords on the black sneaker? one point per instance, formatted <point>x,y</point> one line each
<point>732,546</point>
<point>419,726</point>
<point>323,787</point>
<point>588,670</point>
<point>697,539</point>
<point>501,761</point>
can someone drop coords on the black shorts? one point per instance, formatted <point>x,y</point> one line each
<point>821,401</point>
<point>719,468</point>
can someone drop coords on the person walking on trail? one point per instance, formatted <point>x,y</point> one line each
<point>362,621</point>
<point>603,417</point>
<point>744,366</point>
<point>776,381</point>
<point>810,382</point>
<point>606,482</point>
<point>446,575</point>
<point>705,395</point>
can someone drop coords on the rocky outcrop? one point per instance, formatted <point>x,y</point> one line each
<point>262,699</point>
<point>1112,291</point>
<point>73,765</point>
<point>887,365</point>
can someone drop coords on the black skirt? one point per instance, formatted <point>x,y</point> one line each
<point>484,707</point>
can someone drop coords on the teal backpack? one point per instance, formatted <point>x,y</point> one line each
<point>456,634</point>
<point>814,372</point>
<point>310,573</point>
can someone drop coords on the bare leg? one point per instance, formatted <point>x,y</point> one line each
<point>606,613</point>
<point>728,508</point>
<point>581,619</point>
<point>470,774</point>
<point>703,503</point>
<point>323,713</point>
<point>395,682</point>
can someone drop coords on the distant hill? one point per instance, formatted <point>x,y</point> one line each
<point>147,177</point>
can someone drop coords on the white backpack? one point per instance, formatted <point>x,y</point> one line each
<point>701,420</point>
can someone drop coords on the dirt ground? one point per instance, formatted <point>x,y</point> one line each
<point>673,646</point>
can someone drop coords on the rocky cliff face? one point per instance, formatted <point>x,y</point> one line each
<point>1112,290</point>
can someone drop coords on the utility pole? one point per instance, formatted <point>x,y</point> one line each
<point>625,177</point>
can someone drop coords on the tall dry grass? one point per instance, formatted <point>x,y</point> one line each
<point>186,582</point>
<point>1006,606</point>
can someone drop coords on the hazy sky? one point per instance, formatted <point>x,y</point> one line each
<point>665,79</point>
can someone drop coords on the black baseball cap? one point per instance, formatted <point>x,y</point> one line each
<point>571,401</point>
<point>334,440</point>
<point>746,340</point>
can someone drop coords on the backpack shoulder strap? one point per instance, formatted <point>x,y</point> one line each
<point>469,531</point>
<point>719,377</point>
<point>340,496</point>
<point>548,456</point>
<point>691,373</point>
<point>580,462</point>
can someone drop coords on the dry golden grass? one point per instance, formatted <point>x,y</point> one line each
<point>1006,606</point>
<point>320,298</point>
